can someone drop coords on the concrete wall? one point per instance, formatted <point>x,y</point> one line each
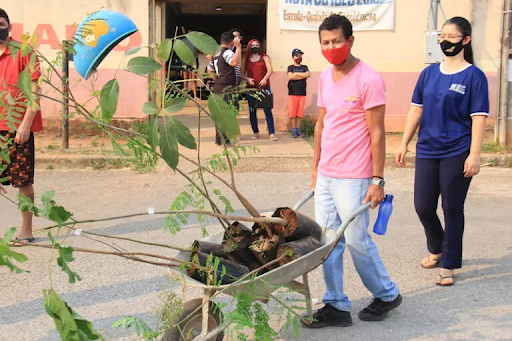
<point>54,20</point>
<point>398,55</point>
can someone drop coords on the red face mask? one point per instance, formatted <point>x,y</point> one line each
<point>337,55</point>
<point>298,60</point>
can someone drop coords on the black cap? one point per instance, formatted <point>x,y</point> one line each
<point>296,51</point>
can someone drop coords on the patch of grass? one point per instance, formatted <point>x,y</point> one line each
<point>140,127</point>
<point>495,148</point>
<point>120,163</point>
<point>112,163</point>
<point>307,126</point>
<point>49,167</point>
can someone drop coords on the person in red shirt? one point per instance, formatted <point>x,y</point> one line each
<point>17,128</point>
<point>258,70</point>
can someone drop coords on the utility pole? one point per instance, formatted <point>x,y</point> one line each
<point>503,131</point>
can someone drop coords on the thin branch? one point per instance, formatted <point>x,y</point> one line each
<point>9,199</point>
<point>201,176</point>
<point>121,254</point>
<point>51,98</point>
<point>272,220</point>
<point>132,240</point>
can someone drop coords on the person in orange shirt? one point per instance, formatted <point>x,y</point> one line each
<point>17,138</point>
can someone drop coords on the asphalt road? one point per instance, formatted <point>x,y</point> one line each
<point>478,307</point>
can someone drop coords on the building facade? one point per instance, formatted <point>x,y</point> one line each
<point>397,53</point>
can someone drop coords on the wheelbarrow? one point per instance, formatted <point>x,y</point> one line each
<point>202,321</point>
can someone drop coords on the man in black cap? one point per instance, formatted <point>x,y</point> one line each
<point>297,74</point>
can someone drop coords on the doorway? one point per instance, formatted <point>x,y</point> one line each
<point>213,18</point>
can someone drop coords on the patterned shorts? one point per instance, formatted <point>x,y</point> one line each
<point>20,166</point>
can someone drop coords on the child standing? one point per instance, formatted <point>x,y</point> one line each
<point>297,74</point>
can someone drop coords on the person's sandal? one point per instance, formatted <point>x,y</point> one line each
<point>17,241</point>
<point>430,263</point>
<point>441,278</point>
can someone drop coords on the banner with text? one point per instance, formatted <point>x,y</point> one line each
<point>365,15</point>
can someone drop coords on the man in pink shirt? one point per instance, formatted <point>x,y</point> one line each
<point>348,171</point>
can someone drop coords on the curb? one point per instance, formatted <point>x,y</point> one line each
<point>99,162</point>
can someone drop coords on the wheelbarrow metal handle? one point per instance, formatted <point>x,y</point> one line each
<point>304,200</point>
<point>346,222</point>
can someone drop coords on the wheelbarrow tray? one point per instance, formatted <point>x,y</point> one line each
<point>263,285</point>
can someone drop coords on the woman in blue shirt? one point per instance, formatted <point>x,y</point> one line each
<point>450,105</point>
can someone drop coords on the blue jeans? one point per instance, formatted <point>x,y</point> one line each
<point>254,118</point>
<point>335,199</point>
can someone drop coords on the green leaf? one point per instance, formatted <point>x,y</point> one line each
<point>69,324</point>
<point>203,42</point>
<point>150,108</point>
<point>181,133</point>
<point>8,235</point>
<point>47,196</point>
<point>59,214</point>
<point>133,50</point>
<point>52,240</point>
<point>184,53</point>
<point>25,85</point>
<point>143,65</point>
<point>14,48</point>
<point>224,116</point>
<point>174,104</point>
<point>228,208</point>
<point>152,133</point>
<point>19,257</point>
<point>65,257</point>
<point>25,47</point>
<point>25,204</point>
<point>169,146</point>
<point>87,328</point>
<point>32,62</point>
<point>140,328</point>
<point>164,50</point>
<point>295,327</point>
<point>109,97</point>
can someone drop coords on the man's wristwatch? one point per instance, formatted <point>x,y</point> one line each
<point>378,181</point>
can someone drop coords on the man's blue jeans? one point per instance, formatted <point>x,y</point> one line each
<point>335,199</point>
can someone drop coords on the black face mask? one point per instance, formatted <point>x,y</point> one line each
<point>4,34</point>
<point>255,50</point>
<point>451,49</point>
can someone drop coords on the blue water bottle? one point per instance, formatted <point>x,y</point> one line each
<point>385,210</point>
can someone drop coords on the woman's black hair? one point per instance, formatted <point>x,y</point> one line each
<point>464,27</point>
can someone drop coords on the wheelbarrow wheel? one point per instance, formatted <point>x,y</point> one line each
<point>191,328</point>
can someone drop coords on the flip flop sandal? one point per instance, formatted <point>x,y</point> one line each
<point>441,278</point>
<point>27,240</point>
<point>431,262</point>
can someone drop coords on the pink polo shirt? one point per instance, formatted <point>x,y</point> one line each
<point>346,146</point>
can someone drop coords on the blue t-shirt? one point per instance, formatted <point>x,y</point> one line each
<point>449,100</point>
